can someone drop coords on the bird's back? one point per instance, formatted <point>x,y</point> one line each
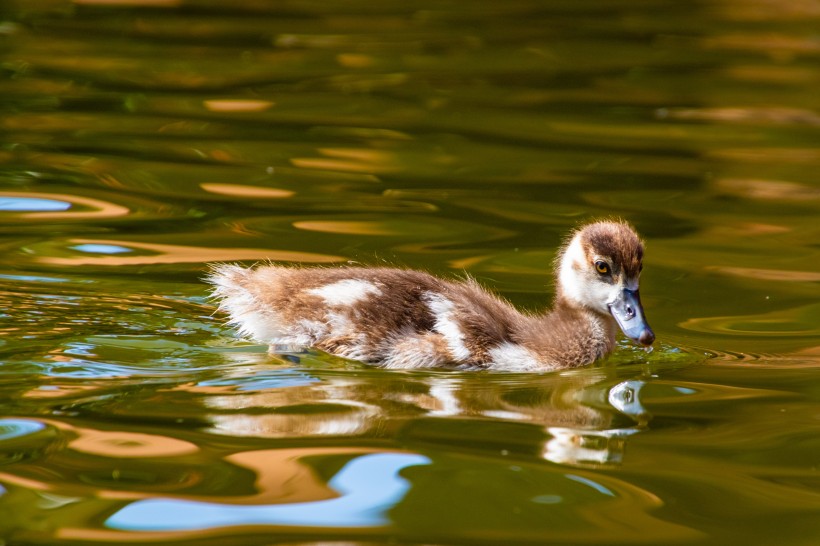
<point>371,314</point>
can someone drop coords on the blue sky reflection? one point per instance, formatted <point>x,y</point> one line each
<point>14,428</point>
<point>101,249</point>
<point>595,485</point>
<point>368,486</point>
<point>32,204</point>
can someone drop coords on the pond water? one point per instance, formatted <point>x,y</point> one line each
<point>143,139</point>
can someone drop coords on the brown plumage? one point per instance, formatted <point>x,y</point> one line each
<point>408,319</point>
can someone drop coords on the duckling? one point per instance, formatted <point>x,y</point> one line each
<point>398,318</point>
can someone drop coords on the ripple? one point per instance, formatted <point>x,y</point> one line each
<point>795,322</point>
<point>51,206</point>
<point>366,488</point>
<point>122,444</point>
<point>55,326</point>
<point>48,207</point>
<point>349,227</point>
<point>401,233</point>
<point>24,440</point>
<point>16,428</point>
<point>113,253</point>
<point>801,359</point>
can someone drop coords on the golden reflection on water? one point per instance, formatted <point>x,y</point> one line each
<point>296,480</point>
<point>782,47</point>
<point>355,60</point>
<point>99,208</point>
<point>58,391</point>
<point>771,115</point>
<point>143,3</point>
<point>156,253</point>
<point>129,444</point>
<point>251,192</point>
<point>768,190</point>
<point>767,274</point>
<point>282,476</point>
<point>238,105</point>
<point>765,10</point>
<point>746,229</point>
<point>765,154</point>
<point>356,160</point>
<point>790,75</point>
<point>348,227</point>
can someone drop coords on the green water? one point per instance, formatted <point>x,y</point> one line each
<point>142,140</point>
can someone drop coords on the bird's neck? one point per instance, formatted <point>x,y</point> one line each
<point>585,315</point>
<point>571,333</point>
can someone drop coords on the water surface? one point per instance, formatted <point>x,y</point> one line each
<point>142,140</point>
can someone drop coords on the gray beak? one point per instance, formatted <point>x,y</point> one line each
<point>628,313</point>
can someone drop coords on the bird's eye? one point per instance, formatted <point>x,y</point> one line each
<point>602,267</point>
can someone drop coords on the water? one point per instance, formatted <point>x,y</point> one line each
<point>142,140</point>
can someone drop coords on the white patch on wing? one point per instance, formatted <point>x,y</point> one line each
<point>515,358</point>
<point>447,325</point>
<point>345,292</point>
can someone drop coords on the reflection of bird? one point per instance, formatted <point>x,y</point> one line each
<point>407,319</point>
